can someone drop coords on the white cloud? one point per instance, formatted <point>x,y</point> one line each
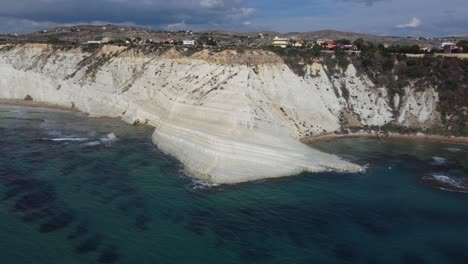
<point>211,3</point>
<point>414,23</point>
<point>177,26</point>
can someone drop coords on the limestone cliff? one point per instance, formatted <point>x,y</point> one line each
<point>229,117</point>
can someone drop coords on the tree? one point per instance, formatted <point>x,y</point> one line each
<point>343,41</point>
<point>360,43</point>
<point>53,40</point>
<point>316,50</point>
<point>464,45</point>
<point>207,40</point>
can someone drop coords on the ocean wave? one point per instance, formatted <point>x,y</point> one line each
<point>454,149</point>
<point>109,139</point>
<point>92,144</point>
<point>447,183</point>
<point>66,139</point>
<point>364,168</point>
<point>202,185</point>
<point>438,161</point>
<point>449,180</point>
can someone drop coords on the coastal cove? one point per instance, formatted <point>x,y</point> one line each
<point>388,136</point>
<point>70,196</point>
<point>233,116</point>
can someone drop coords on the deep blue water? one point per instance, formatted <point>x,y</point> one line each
<point>89,200</point>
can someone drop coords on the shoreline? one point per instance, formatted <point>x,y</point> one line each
<point>19,102</point>
<point>306,140</point>
<point>388,136</point>
<point>35,104</point>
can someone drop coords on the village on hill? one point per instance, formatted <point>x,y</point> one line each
<point>327,40</point>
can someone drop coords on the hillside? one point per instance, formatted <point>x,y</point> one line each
<point>83,33</point>
<point>238,115</point>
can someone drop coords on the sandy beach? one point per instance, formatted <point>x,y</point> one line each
<point>35,104</point>
<point>389,136</point>
<point>327,137</point>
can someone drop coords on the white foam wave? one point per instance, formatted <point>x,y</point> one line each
<point>92,144</point>
<point>454,149</point>
<point>202,185</point>
<point>109,139</point>
<point>448,180</point>
<point>364,168</point>
<point>66,139</point>
<point>438,161</point>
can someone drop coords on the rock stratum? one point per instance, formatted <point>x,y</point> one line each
<point>229,116</point>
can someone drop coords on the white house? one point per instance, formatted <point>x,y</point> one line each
<point>93,42</point>
<point>188,42</point>
<point>106,40</point>
<point>322,42</point>
<point>280,42</point>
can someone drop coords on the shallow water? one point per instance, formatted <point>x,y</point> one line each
<point>68,195</point>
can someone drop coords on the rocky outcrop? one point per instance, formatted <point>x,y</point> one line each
<point>228,117</point>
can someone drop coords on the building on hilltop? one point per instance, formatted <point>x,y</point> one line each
<point>349,47</point>
<point>451,47</point>
<point>322,42</point>
<point>425,48</point>
<point>280,42</point>
<point>168,41</point>
<point>93,42</point>
<point>188,42</point>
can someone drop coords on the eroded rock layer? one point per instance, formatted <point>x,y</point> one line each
<point>227,117</point>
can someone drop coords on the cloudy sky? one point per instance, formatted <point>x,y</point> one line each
<point>380,17</point>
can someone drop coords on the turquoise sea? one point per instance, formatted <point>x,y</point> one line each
<point>70,195</point>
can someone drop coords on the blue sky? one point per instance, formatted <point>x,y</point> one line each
<point>379,17</point>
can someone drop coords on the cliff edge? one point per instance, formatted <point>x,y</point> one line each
<point>229,116</point>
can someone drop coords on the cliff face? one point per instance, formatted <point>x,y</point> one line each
<point>227,117</point>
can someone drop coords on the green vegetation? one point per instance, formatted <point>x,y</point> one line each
<point>90,48</point>
<point>413,49</point>
<point>296,58</point>
<point>447,75</point>
<point>207,40</point>
<point>53,40</point>
<point>343,41</point>
<point>464,45</point>
<point>392,69</point>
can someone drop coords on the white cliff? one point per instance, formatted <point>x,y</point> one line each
<point>228,117</point>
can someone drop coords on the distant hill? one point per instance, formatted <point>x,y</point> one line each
<point>83,33</point>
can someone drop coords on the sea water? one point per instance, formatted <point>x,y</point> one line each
<point>69,194</point>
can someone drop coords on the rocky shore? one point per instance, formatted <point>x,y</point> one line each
<point>228,117</point>
<point>389,136</point>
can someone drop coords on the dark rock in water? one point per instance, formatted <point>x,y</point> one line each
<point>452,251</point>
<point>90,244</point>
<point>141,222</point>
<point>137,202</point>
<point>255,255</point>
<point>443,182</point>
<point>170,168</point>
<point>35,200</point>
<point>199,220</point>
<point>412,259</point>
<point>13,192</point>
<point>80,230</point>
<point>26,183</point>
<point>69,169</point>
<point>57,222</point>
<point>109,255</point>
<point>377,222</point>
<point>41,214</point>
<point>345,252</point>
